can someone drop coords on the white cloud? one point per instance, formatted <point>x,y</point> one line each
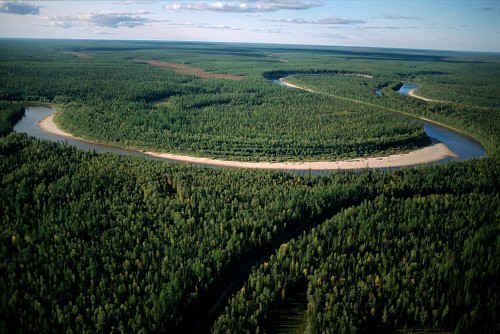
<point>398,17</point>
<point>19,8</point>
<point>381,28</point>
<point>105,19</point>
<point>133,2</point>
<point>98,32</point>
<point>189,24</point>
<point>331,36</point>
<point>242,6</point>
<point>61,24</point>
<point>325,21</point>
<point>271,31</point>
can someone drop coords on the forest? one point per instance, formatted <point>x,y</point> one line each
<point>108,243</point>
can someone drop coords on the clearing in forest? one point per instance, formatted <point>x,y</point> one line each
<point>199,72</point>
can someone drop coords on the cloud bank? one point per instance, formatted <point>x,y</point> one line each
<point>325,21</point>
<point>188,24</point>
<point>399,17</point>
<point>19,8</point>
<point>245,6</point>
<point>104,19</point>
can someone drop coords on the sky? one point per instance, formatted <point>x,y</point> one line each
<point>466,25</point>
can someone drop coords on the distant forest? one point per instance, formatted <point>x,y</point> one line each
<point>95,243</point>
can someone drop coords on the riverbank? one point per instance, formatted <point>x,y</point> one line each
<point>410,92</point>
<point>413,94</point>
<point>425,155</point>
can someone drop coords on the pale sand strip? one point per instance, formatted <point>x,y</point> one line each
<point>47,124</point>
<point>412,94</point>
<point>425,155</point>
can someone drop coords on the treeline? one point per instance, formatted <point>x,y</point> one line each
<point>240,130</point>
<point>425,259</point>
<point>10,114</point>
<point>98,243</point>
<point>468,96</point>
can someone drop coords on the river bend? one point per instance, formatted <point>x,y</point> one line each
<point>462,145</point>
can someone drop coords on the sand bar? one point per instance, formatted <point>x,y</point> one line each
<point>413,94</point>
<point>425,155</point>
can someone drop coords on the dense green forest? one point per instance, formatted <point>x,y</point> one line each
<point>105,243</point>
<point>111,97</point>
<point>10,114</point>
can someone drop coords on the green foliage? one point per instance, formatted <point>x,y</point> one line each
<point>10,114</point>
<point>92,242</point>
<point>113,98</point>
<point>425,258</point>
<point>99,243</point>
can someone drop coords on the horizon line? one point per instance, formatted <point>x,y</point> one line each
<point>251,43</point>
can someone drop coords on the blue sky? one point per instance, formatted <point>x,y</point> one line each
<point>470,25</point>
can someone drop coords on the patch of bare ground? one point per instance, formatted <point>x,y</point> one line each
<point>78,54</point>
<point>199,72</point>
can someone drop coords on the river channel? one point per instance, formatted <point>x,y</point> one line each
<point>462,145</point>
<point>34,114</point>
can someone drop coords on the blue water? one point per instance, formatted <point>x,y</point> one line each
<point>407,88</point>
<point>464,146</point>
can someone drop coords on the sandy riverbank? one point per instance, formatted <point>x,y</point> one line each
<point>412,94</point>
<point>47,124</point>
<point>425,155</point>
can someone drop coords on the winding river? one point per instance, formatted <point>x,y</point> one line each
<point>464,146</point>
<point>34,114</point>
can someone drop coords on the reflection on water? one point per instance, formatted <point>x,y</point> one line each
<point>407,88</point>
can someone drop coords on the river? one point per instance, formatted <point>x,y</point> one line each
<point>34,114</point>
<point>462,145</point>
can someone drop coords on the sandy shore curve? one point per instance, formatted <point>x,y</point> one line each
<point>429,154</point>
<point>413,94</point>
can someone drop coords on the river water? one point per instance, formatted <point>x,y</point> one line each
<point>34,114</point>
<point>464,146</point>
